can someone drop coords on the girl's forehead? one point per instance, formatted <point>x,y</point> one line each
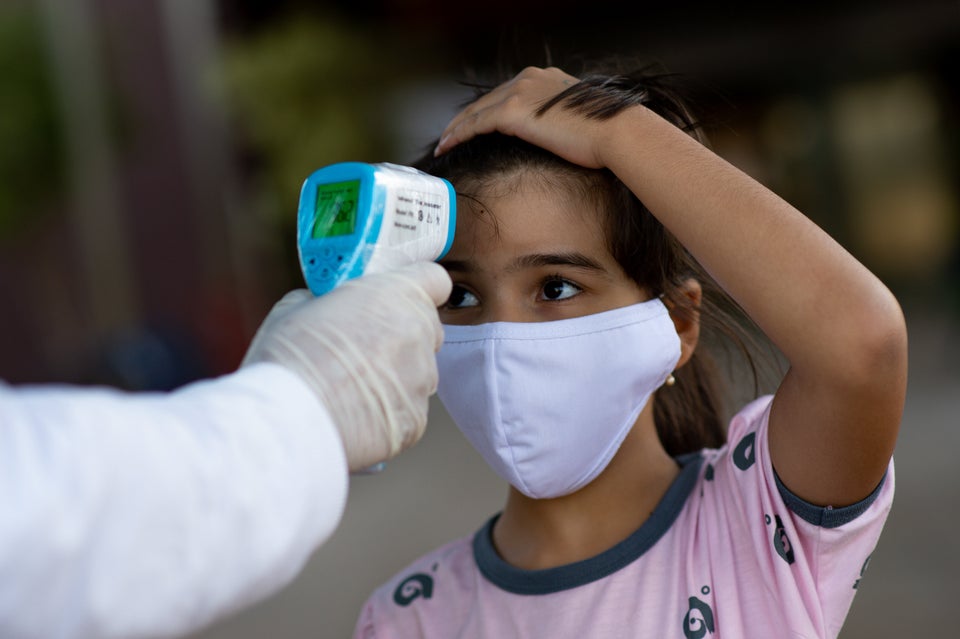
<point>528,216</point>
<point>528,179</point>
<point>529,190</point>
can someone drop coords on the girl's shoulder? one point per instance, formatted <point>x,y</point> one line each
<point>743,428</point>
<point>413,593</point>
<point>418,578</point>
<point>741,472</point>
<point>750,417</point>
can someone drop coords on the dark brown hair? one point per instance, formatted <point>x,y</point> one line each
<point>690,415</point>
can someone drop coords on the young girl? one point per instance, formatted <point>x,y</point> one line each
<point>592,228</point>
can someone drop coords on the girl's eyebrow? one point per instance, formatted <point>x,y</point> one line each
<point>532,260</point>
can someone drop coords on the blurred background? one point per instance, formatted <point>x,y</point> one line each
<point>151,155</point>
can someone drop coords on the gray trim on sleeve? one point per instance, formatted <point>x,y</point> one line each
<point>826,516</point>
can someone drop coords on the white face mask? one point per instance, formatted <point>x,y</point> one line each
<point>547,404</point>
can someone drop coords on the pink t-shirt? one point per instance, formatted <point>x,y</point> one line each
<point>729,552</point>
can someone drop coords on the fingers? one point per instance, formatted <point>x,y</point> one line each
<point>435,281</point>
<point>486,115</point>
<point>465,126</point>
<point>433,278</point>
<point>509,108</point>
<point>416,290</point>
<point>418,279</point>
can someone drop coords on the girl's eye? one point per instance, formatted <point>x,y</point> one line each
<point>556,289</point>
<point>461,298</point>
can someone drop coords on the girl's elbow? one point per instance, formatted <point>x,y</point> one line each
<point>879,356</point>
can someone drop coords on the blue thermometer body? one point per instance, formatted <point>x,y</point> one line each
<point>357,218</point>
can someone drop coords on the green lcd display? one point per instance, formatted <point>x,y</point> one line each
<point>336,210</point>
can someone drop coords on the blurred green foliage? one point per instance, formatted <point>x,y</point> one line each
<point>31,138</point>
<point>304,93</point>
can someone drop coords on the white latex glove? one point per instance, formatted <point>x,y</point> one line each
<point>367,349</point>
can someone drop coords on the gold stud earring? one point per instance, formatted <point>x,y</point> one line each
<point>671,380</point>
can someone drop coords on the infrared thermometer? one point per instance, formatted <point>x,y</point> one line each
<point>357,218</point>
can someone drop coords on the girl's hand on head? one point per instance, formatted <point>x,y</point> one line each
<point>511,109</point>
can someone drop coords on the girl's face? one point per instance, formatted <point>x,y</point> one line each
<point>543,258</point>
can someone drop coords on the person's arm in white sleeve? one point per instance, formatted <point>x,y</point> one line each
<point>148,515</point>
<point>151,515</point>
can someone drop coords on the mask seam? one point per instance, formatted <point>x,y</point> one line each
<point>504,431</point>
<point>622,432</point>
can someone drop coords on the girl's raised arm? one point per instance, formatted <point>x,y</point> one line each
<point>835,417</point>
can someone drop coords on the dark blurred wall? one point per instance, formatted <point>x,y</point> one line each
<point>126,270</point>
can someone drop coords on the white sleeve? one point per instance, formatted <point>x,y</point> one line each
<point>130,515</point>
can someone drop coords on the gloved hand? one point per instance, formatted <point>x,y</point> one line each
<point>367,349</point>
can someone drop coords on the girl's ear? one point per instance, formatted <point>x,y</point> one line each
<point>687,319</point>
